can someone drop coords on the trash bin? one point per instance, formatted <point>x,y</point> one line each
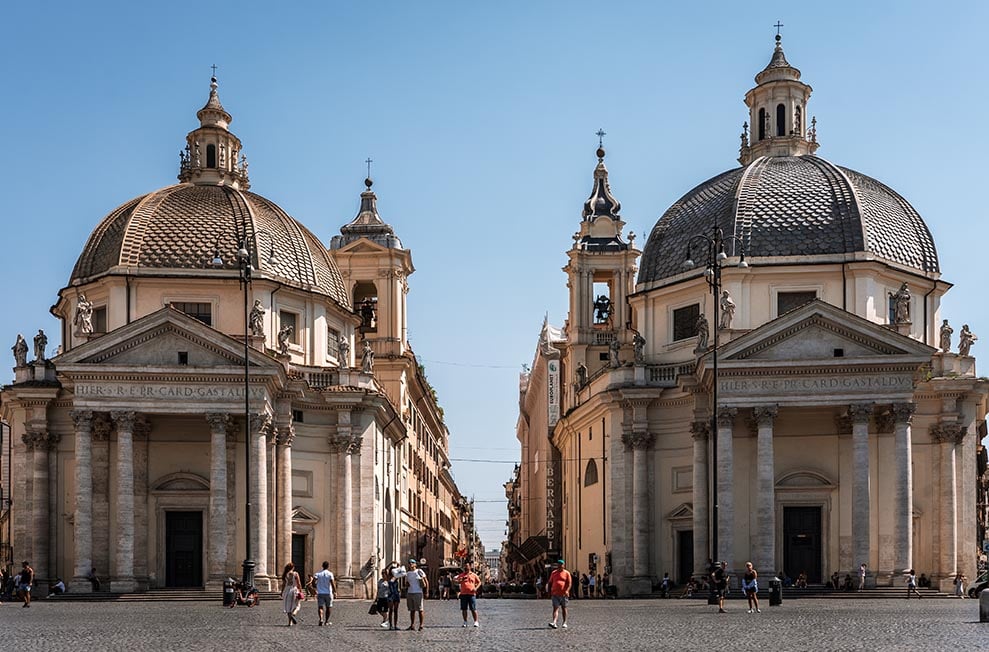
<point>775,592</point>
<point>228,592</point>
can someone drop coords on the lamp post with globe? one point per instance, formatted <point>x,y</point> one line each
<point>245,272</point>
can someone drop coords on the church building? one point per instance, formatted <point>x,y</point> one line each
<point>228,388</point>
<point>777,385</point>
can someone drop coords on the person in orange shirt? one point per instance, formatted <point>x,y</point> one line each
<point>560,582</point>
<point>469,583</point>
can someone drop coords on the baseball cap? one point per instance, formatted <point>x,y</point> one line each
<point>413,561</point>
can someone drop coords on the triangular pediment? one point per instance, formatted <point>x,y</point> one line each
<point>362,246</point>
<point>684,512</point>
<point>155,341</point>
<point>820,331</point>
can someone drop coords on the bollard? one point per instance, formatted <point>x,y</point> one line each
<point>984,606</point>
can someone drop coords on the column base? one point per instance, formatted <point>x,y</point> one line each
<point>635,586</point>
<point>264,583</point>
<point>81,585</point>
<point>123,585</point>
<point>347,587</point>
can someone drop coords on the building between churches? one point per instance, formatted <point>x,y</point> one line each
<point>778,385</point>
<point>192,420</point>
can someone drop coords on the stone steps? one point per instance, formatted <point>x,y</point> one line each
<point>879,592</point>
<point>154,595</point>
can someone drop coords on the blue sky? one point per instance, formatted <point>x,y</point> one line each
<point>480,118</point>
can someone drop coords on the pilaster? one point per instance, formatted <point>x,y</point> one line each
<point>83,518</point>
<point>700,433</point>
<point>860,414</point>
<point>122,580</point>
<point>724,497</point>
<point>765,527</point>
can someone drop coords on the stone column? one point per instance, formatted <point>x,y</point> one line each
<point>860,413</point>
<point>101,497</point>
<point>36,443</point>
<point>702,549</point>
<point>640,442</point>
<point>945,435</point>
<point>903,489</point>
<point>725,490</point>
<point>233,484</point>
<point>283,443</point>
<point>764,551</point>
<point>83,519</point>
<point>123,575</point>
<point>218,424</point>
<point>259,494</point>
<point>142,434</point>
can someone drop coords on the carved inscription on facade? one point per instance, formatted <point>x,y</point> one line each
<point>164,391</point>
<point>815,384</point>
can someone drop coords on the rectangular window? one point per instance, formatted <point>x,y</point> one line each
<point>787,301</point>
<point>286,318</point>
<point>332,343</point>
<point>99,320</point>
<point>201,311</point>
<point>685,322</point>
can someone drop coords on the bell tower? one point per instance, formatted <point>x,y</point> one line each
<point>212,154</point>
<point>778,118</point>
<point>600,276</point>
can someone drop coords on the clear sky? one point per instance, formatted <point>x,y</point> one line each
<point>480,117</point>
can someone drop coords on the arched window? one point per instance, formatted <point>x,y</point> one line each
<point>211,156</point>
<point>762,124</point>
<point>590,473</point>
<point>366,305</point>
<point>780,120</point>
<point>798,121</point>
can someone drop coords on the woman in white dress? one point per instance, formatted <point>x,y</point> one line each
<point>291,593</point>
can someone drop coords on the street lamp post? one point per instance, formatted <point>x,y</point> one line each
<point>245,270</point>
<point>714,246</point>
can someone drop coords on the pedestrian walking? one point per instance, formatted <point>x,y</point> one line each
<point>381,603</point>
<point>750,585</point>
<point>27,579</point>
<point>394,596</point>
<point>469,583</point>
<point>862,572</point>
<point>592,585</point>
<point>560,583</point>
<point>418,585</point>
<point>325,588</point>
<point>959,586</point>
<point>719,580</point>
<point>585,583</point>
<point>912,584</point>
<point>291,593</point>
<point>665,585</point>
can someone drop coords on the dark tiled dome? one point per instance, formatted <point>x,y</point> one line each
<point>792,206</point>
<point>181,226</point>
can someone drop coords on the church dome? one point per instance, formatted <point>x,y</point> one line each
<point>182,227</point>
<point>787,203</point>
<point>185,226</point>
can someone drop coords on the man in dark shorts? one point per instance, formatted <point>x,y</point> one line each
<point>469,583</point>
<point>719,579</point>
<point>560,583</point>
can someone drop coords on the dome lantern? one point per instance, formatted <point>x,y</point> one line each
<point>212,154</point>
<point>777,112</point>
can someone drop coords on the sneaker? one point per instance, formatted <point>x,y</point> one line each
<point>722,611</point>
<point>553,625</point>
<point>564,625</point>
<point>385,624</point>
<point>477,624</point>
<point>750,611</point>
<point>758,611</point>
<point>465,624</point>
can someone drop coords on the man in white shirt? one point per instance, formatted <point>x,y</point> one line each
<point>325,586</point>
<point>418,585</point>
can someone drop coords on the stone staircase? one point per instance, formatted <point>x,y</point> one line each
<point>821,591</point>
<point>154,595</point>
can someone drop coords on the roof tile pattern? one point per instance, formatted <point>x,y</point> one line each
<point>183,226</point>
<point>791,206</point>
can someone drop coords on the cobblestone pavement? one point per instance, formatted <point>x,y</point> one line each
<point>807,624</point>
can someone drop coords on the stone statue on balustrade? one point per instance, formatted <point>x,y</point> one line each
<point>40,344</point>
<point>367,358</point>
<point>344,347</point>
<point>946,332</point>
<point>614,349</point>
<point>638,347</point>
<point>84,316</point>
<point>703,332</point>
<point>727,310</point>
<point>581,375</point>
<point>20,351</point>
<point>965,341</point>
<point>256,319</point>
<point>284,335</point>
<point>901,305</point>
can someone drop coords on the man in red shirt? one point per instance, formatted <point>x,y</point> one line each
<point>469,583</point>
<point>560,582</point>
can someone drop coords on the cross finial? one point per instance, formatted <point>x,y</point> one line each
<point>369,161</point>
<point>214,69</point>
<point>600,134</point>
<point>777,26</point>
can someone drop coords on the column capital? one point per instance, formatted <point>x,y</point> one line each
<point>40,440</point>
<point>142,427</point>
<point>860,412</point>
<point>260,423</point>
<point>726,417</point>
<point>765,414</point>
<point>700,430</point>
<point>903,412</point>
<point>640,439</point>
<point>124,419</point>
<point>338,443</point>
<point>218,422</point>
<point>354,444</point>
<point>83,419</point>
<point>284,435</point>
<point>948,433</point>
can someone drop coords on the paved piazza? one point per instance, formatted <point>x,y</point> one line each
<point>810,624</point>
